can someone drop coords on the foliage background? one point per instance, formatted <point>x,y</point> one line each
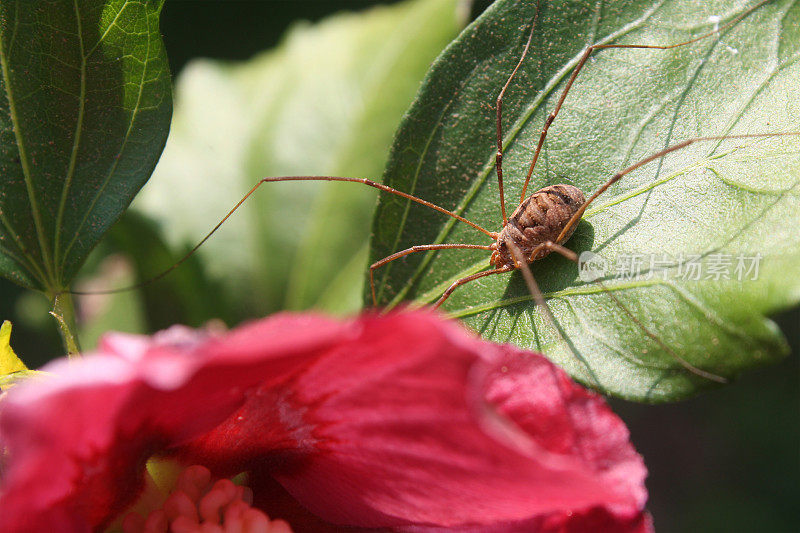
<point>725,461</point>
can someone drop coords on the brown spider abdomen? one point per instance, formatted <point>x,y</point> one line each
<point>539,219</point>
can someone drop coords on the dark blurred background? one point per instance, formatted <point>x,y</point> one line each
<point>728,460</point>
<point>238,29</point>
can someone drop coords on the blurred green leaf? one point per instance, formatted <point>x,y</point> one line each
<point>737,198</point>
<point>100,313</point>
<point>84,113</point>
<point>325,102</point>
<point>134,252</point>
<point>186,293</point>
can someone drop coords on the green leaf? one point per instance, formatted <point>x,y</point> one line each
<point>734,199</point>
<point>325,102</point>
<point>85,105</point>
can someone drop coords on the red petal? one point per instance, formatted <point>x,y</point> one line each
<point>400,421</point>
<point>77,442</point>
<point>417,422</point>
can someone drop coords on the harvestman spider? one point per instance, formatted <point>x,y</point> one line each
<point>543,221</point>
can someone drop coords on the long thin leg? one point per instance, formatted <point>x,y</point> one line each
<point>262,181</point>
<point>661,153</point>
<point>530,281</point>
<point>499,107</point>
<point>467,279</point>
<point>407,251</point>
<point>538,297</point>
<point>588,52</point>
<point>572,256</point>
<point>365,181</point>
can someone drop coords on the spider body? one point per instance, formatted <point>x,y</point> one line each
<point>537,220</point>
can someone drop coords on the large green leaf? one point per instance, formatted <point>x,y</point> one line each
<point>325,102</point>
<point>84,113</point>
<point>720,200</point>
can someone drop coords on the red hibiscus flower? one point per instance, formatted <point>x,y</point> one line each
<point>403,422</point>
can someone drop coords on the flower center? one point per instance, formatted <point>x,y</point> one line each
<point>200,504</point>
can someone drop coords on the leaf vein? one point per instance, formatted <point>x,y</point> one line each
<point>134,112</point>
<point>26,170</point>
<point>76,143</point>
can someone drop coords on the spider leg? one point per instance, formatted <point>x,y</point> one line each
<point>572,256</point>
<point>261,182</point>
<point>585,57</point>
<point>538,297</point>
<point>413,249</point>
<point>661,153</point>
<point>499,108</point>
<point>467,279</point>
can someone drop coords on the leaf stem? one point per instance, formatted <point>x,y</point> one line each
<point>64,313</point>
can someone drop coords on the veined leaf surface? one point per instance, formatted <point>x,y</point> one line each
<point>85,103</point>
<point>718,203</point>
